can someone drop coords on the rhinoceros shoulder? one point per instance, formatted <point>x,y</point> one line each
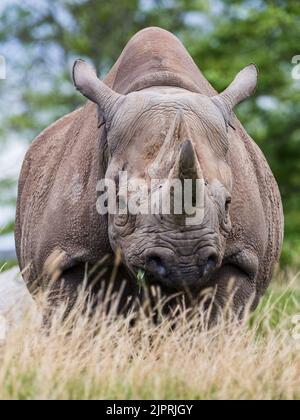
<point>56,130</point>
<point>41,159</point>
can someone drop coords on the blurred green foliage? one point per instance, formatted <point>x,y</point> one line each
<point>44,37</point>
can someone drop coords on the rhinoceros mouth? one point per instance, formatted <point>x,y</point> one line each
<point>176,278</point>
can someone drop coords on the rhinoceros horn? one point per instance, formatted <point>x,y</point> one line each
<point>241,88</point>
<point>172,146</point>
<point>86,81</point>
<point>187,165</point>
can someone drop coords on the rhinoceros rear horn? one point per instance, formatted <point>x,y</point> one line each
<point>241,88</point>
<point>86,81</point>
<point>187,165</point>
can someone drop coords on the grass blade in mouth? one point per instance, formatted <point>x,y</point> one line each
<point>141,278</point>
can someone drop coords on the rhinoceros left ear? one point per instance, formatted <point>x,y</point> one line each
<point>86,81</point>
<point>241,88</point>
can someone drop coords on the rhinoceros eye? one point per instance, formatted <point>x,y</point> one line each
<point>121,220</point>
<point>226,220</point>
<point>227,204</point>
<point>123,216</point>
<point>121,202</point>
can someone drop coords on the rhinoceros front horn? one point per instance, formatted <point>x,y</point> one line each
<point>86,81</point>
<point>174,144</point>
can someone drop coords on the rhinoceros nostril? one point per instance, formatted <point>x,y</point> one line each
<point>211,262</point>
<point>156,266</point>
<point>208,267</point>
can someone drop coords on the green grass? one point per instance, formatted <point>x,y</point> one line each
<point>278,304</point>
<point>7,265</point>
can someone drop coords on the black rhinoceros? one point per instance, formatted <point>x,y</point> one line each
<point>155,116</point>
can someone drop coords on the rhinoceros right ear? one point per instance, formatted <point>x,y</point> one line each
<point>241,88</point>
<point>86,81</point>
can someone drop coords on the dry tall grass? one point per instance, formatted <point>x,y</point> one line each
<point>103,357</point>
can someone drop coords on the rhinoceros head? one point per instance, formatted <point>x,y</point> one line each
<point>163,138</point>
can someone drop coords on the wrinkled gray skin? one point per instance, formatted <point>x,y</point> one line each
<point>156,116</point>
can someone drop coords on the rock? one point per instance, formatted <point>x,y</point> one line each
<point>15,301</point>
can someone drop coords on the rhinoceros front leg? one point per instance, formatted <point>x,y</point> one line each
<point>64,291</point>
<point>234,293</point>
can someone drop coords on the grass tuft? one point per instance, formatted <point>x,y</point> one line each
<point>104,356</point>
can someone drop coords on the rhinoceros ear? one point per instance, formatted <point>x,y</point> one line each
<point>86,81</point>
<point>241,88</point>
